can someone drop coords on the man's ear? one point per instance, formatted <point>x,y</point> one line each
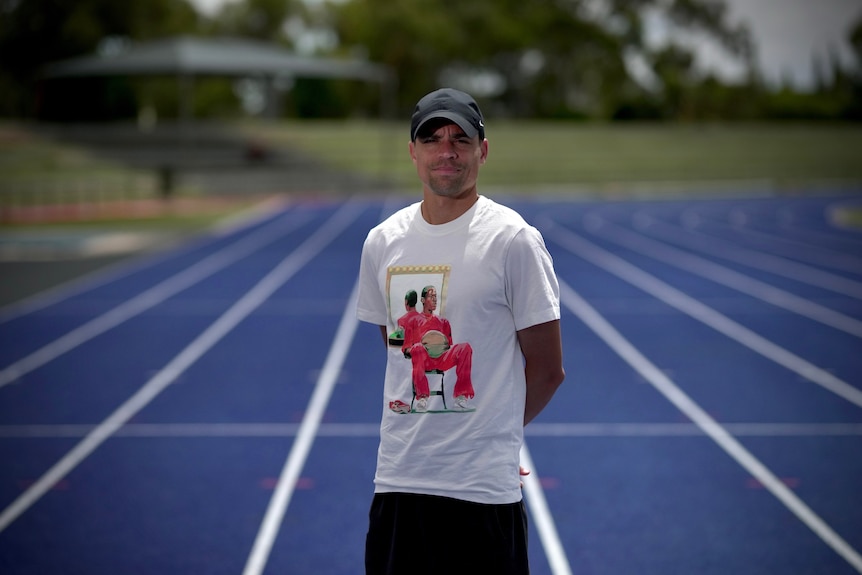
<point>484,148</point>
<point>411,148</point>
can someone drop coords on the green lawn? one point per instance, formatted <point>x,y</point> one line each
<point>523,156</point>
<point>559,155</point>
<point>37,170</point>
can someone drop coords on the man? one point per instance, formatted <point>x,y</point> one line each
<point>447,487</point>
<point>428,344</point>
<point>405,321</point>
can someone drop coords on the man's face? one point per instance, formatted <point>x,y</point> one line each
<point>429,302</point>
<point>447,161</point>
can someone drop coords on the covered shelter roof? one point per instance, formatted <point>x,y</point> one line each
<point>192,56</point>
<point>189,57</point>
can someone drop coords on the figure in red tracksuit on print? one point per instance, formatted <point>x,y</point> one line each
<point>428,343</point>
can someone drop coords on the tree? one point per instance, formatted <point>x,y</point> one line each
<point>34,33</point>
<point>259,19</point>
<point>853,110</point>
<point>552,57</point>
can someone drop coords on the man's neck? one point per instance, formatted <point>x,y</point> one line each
<point>438,210</point>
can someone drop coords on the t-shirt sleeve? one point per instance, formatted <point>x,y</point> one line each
<point>532,287</point>
<point>370,300</point>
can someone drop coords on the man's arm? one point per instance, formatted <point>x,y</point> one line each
<point>542,347</point>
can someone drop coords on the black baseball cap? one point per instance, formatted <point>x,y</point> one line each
<point>453,105</point>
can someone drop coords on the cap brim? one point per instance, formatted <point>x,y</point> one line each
<point>462,122</point>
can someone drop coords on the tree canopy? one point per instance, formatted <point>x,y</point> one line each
<point>544,57</point>
<point>540,58</point>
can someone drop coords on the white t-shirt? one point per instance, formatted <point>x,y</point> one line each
<point>493,276</point>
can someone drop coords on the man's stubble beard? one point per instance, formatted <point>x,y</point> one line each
<point>448,187</point>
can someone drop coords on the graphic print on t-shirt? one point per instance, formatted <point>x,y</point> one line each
<point>416,297</point>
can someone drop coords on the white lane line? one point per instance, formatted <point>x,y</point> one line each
<point>372,430</point>
<point>180,430</point>
<point>148,299</point>
<point>689,429</point>
<point>538,506</point>
<point>256,214</point>
<point>713,429</point>
<point>756,227</point>
<point>727,277</point>
<point>761,261</point>
<point>705,314</point>
<point>308,429</point>
<point>188,356</point>
<point>810,249</point>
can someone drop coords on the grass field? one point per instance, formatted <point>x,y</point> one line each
<point>44,181</point>
<point>540,155</point>
<point>37,169</point>
<point>547,157</point>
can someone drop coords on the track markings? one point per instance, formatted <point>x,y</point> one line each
<point>607,333</point>
<point>289,477</point>
<point>302,483</point>
<point>728,277</point>
<point>148,299</point>
<point>542,517</point>
<point>701,312</point>
<point>254,215</point>
<point>726,250</point>
<point>372,430</point>
<point>790,482</point>
<point>288,267</point>
<point>306,432</point>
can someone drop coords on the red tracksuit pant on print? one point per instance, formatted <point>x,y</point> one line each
<point>459,356</point>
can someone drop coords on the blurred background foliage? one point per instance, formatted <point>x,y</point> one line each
<point>542,59</point>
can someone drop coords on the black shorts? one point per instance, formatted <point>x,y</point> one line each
<point>411,534</point>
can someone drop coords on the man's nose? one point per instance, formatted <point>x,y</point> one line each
<point>447,149</point>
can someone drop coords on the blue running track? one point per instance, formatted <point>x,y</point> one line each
<point>191,411</point>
